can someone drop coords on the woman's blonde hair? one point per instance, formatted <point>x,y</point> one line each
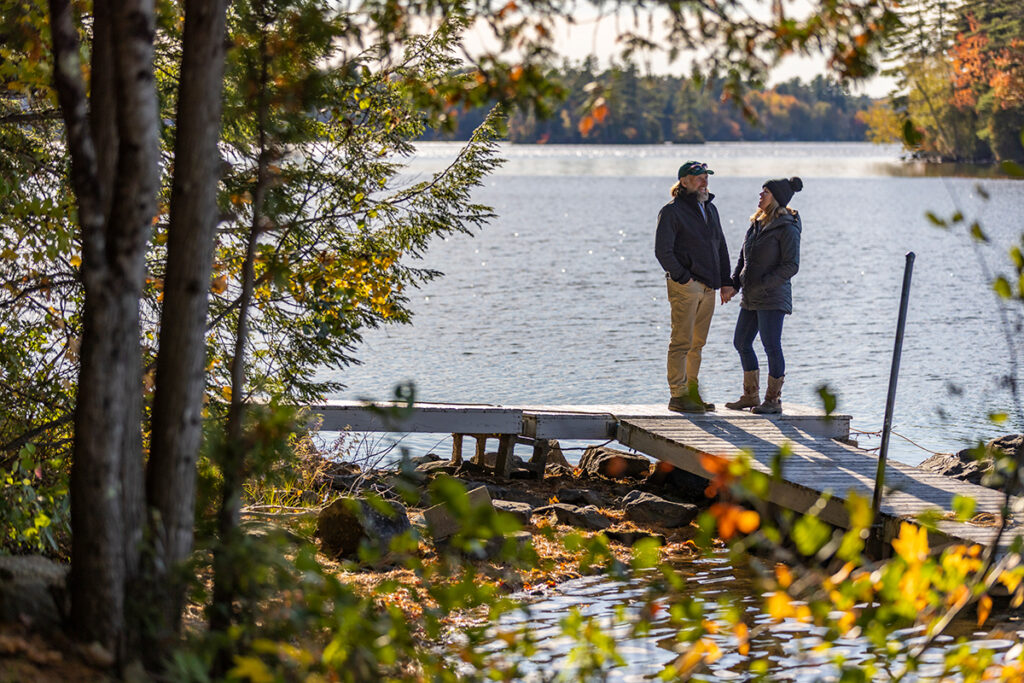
<point>766,216</point>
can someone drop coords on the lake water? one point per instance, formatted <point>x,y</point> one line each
<point>559,300</point>
<point>789,646</point>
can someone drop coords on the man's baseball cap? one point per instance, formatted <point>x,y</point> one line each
<point>694,168</point>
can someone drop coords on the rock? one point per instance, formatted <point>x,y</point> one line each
<point>33,589</point>
<point>424,459</point>
<point>432,467</point>
<point>527,471</point>
<point>443,523</point>
<point>677,483</point>
<point>965,467</point>
<point>521,511</point>
<point>588,517</point>
<point>581,497</point>
<point>347,523</point>
<point>647,508</point>
<point>631,537</point>
<point>614,464</point>
<point>491,459</point>
<point>513,543</point>
<point>503,493</point>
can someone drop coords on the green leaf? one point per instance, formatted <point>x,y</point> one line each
<point>977,233</point>
<point>940,222</point>
<point>911,137</point>
<point>1017,257</point>
<point>828,399</point>
<point>1002,287</point>
<point>1012,168</point>
<point>964,507</point>
<point>998,418</point>
<point>810,534</point>
<point>646,553</point>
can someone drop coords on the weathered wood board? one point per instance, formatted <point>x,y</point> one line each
<point>817,465</point>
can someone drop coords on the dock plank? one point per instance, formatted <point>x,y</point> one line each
<point>816,465</point>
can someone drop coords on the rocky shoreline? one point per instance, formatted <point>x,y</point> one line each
<point>625,496</point>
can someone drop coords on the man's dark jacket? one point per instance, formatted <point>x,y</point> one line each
<point>688,246</point>
<point>769,258</point>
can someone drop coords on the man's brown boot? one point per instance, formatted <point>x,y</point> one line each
<point>686,404</point>
<point>751,391</point>
<point>772,404</point>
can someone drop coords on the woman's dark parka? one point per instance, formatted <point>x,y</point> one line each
<point>769,258</point>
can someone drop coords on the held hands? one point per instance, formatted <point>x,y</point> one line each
<point>726,294</point>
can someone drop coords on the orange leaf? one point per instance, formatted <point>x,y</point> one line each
<point>714,464</point>
<point>783,575</point>
<point>586,125</point>
<point>984,609</point>
<point>748,521</point>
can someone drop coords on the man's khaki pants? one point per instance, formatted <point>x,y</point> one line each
<point>692,306</point>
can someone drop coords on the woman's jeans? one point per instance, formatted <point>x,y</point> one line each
<point>769,325</point>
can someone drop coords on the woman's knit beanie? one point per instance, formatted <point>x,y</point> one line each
<point>782,189</point>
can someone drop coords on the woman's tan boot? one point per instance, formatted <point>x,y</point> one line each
<point>751,391</point>
<point>772,404</point>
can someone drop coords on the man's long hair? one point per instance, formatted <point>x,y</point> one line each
<point>679,189</point>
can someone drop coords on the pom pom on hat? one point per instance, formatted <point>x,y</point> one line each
<point>783,189</point>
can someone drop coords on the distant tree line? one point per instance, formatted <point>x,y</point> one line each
<point>622,105</point>
<point>960,81</point>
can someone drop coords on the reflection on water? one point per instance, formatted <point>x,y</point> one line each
<point>559,300</point>
<point>789,646</point>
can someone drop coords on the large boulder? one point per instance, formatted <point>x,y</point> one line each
<point>347,523</point>
<point>33,589</point>
<point>614,464</point>
<point>443,523</point>
<point>521,511</point>
<point>966,467</point>
<point>646,508</point>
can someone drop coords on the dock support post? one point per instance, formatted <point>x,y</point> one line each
<point>541,449</point>
<point>457,449</point>
<point>479,457</point>
<point>503,463</point>
<point>890,401</point>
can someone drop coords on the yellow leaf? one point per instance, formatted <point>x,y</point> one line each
<point>252,669</point>
<point>76,261</point>
<point>713,652</point>
<point>779,606</point>
<point>742,634</point>
<point>912,544</point>
<point>226,393</point>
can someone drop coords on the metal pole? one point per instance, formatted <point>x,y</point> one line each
<point>890,400</point>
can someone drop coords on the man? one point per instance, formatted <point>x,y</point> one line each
<point>691,248</point>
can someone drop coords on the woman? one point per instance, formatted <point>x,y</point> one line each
<point>769,258</point>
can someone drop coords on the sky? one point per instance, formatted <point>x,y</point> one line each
<point>593,34</point>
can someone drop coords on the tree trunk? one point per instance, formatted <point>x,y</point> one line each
<point>115,214</point>
<point>180,373</point>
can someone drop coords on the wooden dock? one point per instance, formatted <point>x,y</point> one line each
<point>821,461</point>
